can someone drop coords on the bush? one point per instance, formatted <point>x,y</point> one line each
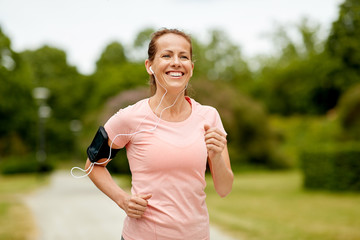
<point>25,164</point>
<point>349,112</point>
<point>251,139</point>
<point>332,168</point>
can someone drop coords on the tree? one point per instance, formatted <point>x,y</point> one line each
<point>113,55</point>
<point>17,107</point>
<point>250,137</point>
<point>49,68</point>
<point>343,41</point>
<point>115,73</point>
<point>220,59</point>
<point>141,43</point>
<point>349,112</point>
<point>297,80</point>
<point>343,45</point>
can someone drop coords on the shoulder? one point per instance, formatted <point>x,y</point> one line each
<point>136,106</point>
<point>127,119</point>
<point>134,109</point>
<point>208,114</point>
<point>203,110</point>
<point>131,112</point>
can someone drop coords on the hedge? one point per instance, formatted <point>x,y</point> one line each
<point>24,164</point>
<point>332,168</point>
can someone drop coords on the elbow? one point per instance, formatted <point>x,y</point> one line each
<point>87,164</point>
<point>226,189</point>
<point>224,194</point>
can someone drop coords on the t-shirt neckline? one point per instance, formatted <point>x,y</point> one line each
<point>188,99</point>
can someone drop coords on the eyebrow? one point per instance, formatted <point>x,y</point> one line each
<point>182,52</point>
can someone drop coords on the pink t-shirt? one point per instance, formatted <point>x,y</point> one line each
<point>168,160</point>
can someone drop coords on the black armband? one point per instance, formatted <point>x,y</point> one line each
<point>99,147</point>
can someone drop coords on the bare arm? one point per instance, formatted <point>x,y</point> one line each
<point>219,160</point>
<point>133,205</point>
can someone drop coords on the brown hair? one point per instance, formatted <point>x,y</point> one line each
<point>153,49</point>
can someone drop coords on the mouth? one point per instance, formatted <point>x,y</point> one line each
<point>175,74</point>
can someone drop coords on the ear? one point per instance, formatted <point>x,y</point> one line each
<point>192,69</point>
<point>147,66</point>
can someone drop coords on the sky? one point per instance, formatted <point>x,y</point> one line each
<point>83,28</point>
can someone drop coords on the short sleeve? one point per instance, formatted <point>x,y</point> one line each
<point>118,129</point>
<point>217,121</point>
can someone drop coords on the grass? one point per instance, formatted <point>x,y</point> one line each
<point>273,206</point>
<point>15,218</point>
<point>261,206</point>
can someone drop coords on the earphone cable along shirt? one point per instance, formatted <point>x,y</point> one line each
<point>168,160</point>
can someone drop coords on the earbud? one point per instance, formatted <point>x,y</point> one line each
<point>151,70</point>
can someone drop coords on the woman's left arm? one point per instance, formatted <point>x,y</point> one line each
<point>219,160</point>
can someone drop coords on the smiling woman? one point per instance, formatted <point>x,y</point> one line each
<point>169,140</point>
<point>167,56</point>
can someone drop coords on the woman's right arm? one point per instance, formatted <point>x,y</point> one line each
<point>133,205</point>
<point>101,177</point>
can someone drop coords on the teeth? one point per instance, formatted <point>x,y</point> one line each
<point>175,74</point>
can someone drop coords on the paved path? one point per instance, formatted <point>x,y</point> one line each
<point>75,209</point>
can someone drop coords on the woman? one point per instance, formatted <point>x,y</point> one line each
<point>168,137</point>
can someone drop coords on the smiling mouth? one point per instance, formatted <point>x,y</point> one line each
<point>175,74</point>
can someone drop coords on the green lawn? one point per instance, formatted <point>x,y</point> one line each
<point>273,206</point>
<point>15,218</point>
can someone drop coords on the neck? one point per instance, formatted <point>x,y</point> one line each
<point>171,107</point>
<point>167,100</point>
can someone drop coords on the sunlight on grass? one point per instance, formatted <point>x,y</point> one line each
<point>273,206</point>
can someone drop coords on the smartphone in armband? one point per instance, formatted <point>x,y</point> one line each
<point>99,147</point>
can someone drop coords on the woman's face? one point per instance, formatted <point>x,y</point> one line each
<point>172,64</point>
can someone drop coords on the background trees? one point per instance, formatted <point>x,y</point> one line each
<point>306,77</point>
<point>17,106</point>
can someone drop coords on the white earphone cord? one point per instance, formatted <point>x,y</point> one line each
<point>91,167</point>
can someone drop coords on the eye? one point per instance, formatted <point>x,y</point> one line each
<point>184,57</point>
<point>166,56</point>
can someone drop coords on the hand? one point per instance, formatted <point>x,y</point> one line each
<point>135,205</point>
<point>215,141</point>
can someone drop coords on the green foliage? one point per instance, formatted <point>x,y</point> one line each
<point>114,74</point>
<point>113,55</point>
<point>17,107</point>
<point>334,168</point>
<point>220,59</point>
<point>303,77</point>
<point>25,164</point>
<point>343,46</point>
<point>49,68</point>
<point>142,40</point>
<point>250,138</point>
<point>299,87</point>
<point>349,112</point>
<point>343,42</point>
<point>297,81</point>
<point>303,132</point>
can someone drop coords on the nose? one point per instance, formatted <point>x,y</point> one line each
<point>175,61</point>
